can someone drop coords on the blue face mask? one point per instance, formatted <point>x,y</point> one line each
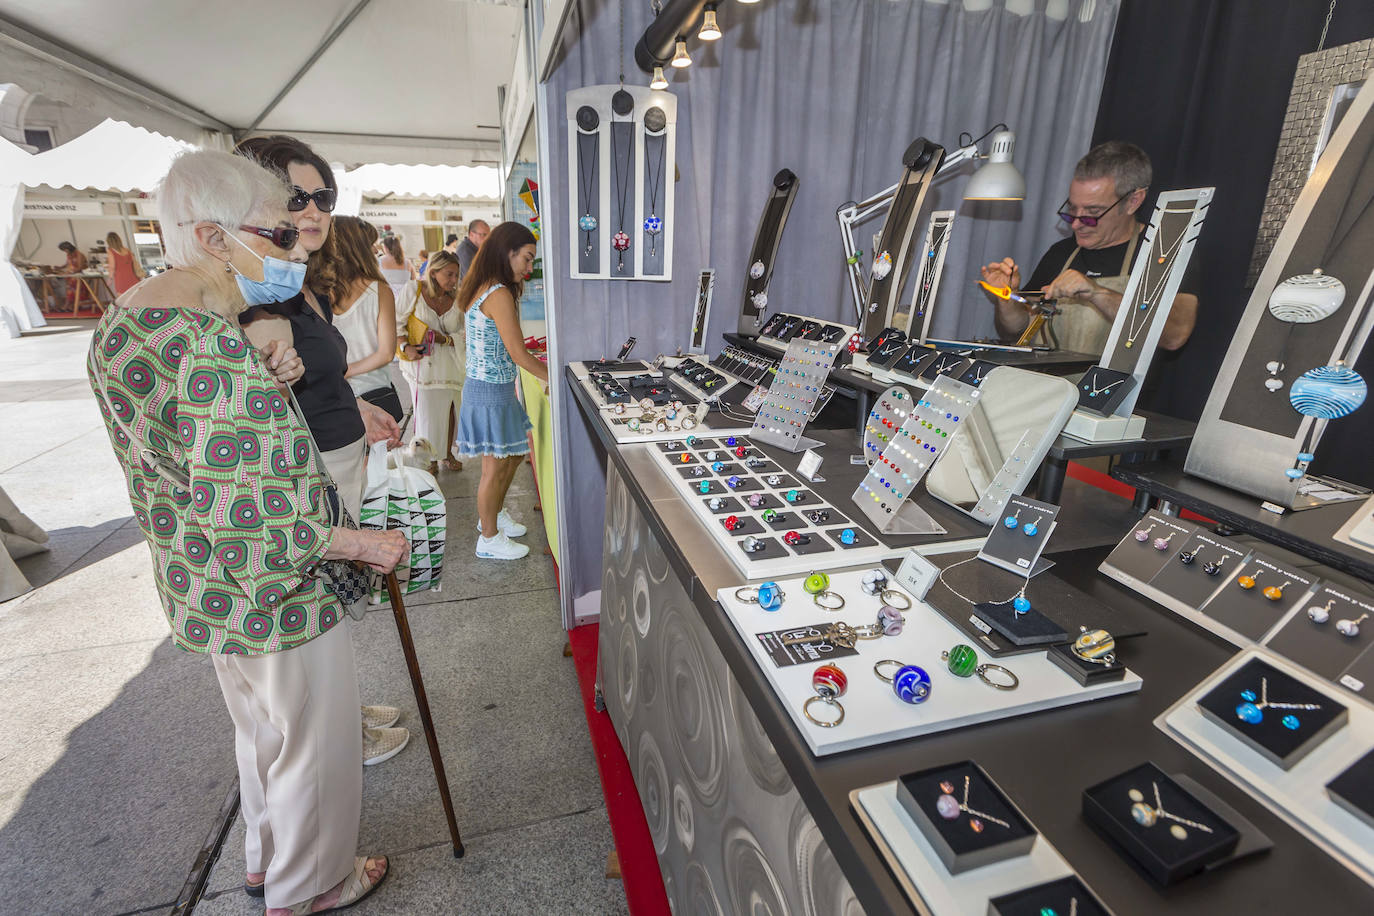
<point>281,279</point>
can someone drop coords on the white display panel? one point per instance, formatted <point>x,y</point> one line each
<point>1298,795</point>
<point>873,713</point>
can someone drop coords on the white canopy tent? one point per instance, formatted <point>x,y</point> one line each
<point>18,310</point>
<point>112,156</point>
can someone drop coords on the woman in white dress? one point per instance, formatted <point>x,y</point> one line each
<point>395,268</point>
<point>434,354</point>
<point>365,314</point>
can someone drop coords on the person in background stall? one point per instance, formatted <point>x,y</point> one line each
<point>125,271</point>
<point>395,268</point>
<point>76,263</point>
<point>467,248</point>
<point>435,370</point>
<point>424,261</point>
<point>365,314</point>
<point>491,422</point>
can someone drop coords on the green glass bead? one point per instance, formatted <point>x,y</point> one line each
<point>816,583</point>
<point>1048,911</point>
<point>962,660</point>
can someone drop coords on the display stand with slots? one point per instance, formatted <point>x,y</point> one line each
<point>885,418</point>
<point>884,495</point>
<point>782,418</point>
<point>1298,794</point>
<point>764,252</point>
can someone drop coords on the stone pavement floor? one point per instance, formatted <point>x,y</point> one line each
<point>118,751</point>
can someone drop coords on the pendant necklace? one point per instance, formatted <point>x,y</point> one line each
<point>937,242</point>
<point>882,261</point>
<point>1103,390</point>
<point>621,240</point>
<point>1146,300</point>
<point>653,225</point>
<point>587,222</point>
<point>1019,602</point>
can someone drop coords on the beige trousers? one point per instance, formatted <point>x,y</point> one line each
<point>299,754</point>
<point>348,467</point>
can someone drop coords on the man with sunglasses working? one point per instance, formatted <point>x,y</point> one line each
<point>1087,272</point>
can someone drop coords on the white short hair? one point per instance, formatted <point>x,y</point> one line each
<point>207,185</point>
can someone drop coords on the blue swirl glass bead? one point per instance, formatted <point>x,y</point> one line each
<point>1021,603</point>
<point>1293,473</point>
<point>911,684</point>
<point>1249,713</point>
<point>1306,456</point>
<point>732,481</point>
<point>847,536</point>
<point>1248,696</point>
<point>1010,522</point>
<point>1291,722</point>
<point>770,596</point>
<point>1031,529</point>
<point>718,466</point>
<point>1328,392</point>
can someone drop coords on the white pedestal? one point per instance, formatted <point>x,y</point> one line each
<point>1093,428</point>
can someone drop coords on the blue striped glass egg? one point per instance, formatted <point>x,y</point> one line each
<point>1328,392</point>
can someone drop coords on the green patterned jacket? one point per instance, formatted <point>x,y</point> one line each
<point>229,554</point>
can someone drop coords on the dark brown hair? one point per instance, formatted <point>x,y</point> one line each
<point>276,152</point>
<point>491,264</point>
<point>354,260</point>
<point>437,262</point>
<point>392,244</point>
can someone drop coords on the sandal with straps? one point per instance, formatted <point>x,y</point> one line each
<point>355,887</point>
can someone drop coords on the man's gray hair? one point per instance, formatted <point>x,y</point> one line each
<point>211,186</point>
<point>1125,163</point>
<point>472,226</point>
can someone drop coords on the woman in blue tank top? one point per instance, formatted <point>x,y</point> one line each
<point>491,422</point>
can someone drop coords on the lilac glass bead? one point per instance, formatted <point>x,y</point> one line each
<point>947,806</point>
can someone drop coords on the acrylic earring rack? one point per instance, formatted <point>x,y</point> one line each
<point>796,386</point>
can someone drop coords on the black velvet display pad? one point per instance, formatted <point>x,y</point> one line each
<point>745,484</point>
<point>976,372</point>
<point>765,467</point>
<point>914,360</point>
<point>1085,672</point>
<point>1164,857</point>
<point>728,468</point>
<point>1320,647</point>
<point>1028,629</point>
<point>713,487</point>
<point>729,505</point>
<point>1091,393</point>
<point>958,845</point>
<point>830,516</point>
<point>1139,559</point>
<point>1057,897</point>
<point>804,498</point>
<point>671,445</point>
<point>1247,611</point>
<point>887,353</point>
<point>1353,789</point>
<point>772,550</point>
<point>1270,737</point>
<point>950,364</point>
<point>693,471</point>
<point>785,521</point>
<point>1189,582</point>
<point>818,544</point>
<point>861,537</point>
<point>785,481</point>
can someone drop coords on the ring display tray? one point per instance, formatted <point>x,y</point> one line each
<point>922,876</point>
<point>873,712</point>
<point>1298,794</point>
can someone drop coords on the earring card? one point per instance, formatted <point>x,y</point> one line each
<point>1321,647</point>
<point>1249,611</point>
<point>1013,547</point>
<point>1189,583</point>
<point>1135,562</point>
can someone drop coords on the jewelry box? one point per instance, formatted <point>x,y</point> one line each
<point>965,817</point>
<point>1067,896</point>
<point>1353,789</point>
<point>1278,716</point>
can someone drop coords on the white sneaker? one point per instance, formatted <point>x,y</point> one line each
<point>500,547</point>
<point>506,525</point>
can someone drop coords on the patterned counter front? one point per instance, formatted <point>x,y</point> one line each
<point>731,833</point>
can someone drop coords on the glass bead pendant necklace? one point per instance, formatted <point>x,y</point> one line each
<point>939,235</point>
<point>950,808</point>
<point>621,240</point>
<point>587,179</point>
<point>1251,708</point>
<point>653,224</point>
<point>1146,298</point>
<point>1147,816</point>
<point>1303,299</point>
<point>1019,602</point>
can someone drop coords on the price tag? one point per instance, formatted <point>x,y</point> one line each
<point>809,465</point>
<point>916,574</point>
<point>754,400</point>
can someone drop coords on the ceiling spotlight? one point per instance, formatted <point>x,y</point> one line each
<point>659,81</point>
<point>710,29</point>
<point>680,56</point>
<point>749,1</point>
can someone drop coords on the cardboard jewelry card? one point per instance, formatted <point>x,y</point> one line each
<point>1168,831</point>
<point>1278,716</point>
<point>1314,637</point>
<point>1210,559</point>
<point>1136,560</point>
<point>965,817</point>
<point>1060,897</point>
<point>1252,612</point>
<point>1019,537</point>
<point>802,645</point>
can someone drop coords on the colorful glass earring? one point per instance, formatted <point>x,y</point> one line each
<point>1248,582</point>
<point>1011,521</point>
<point>1032,528</point>
<point>1320,613</point>
<point>1186,557</point>
<point>1350,628</point>
<point>1163,543</point>
<point>1275,592</point>
<point>1143,534</point>
<point>1213,568</point>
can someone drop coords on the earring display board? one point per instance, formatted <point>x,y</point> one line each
<point>885,419</point>
<point>916,317</point>
<point>933,422</point>
<point>1016,542</point>
<point>1135,560</point>
<point>793,393</point>
<point>1250,434</point>
<point>874,713</point>
<point>895,254</point>
<point>1298,795</point>
<point>621,164</point>
<point>1331,634</point>
<point>764,252</point>
<point>932,889</point>
<point>1255,598</point>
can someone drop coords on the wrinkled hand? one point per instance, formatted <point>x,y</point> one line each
<point>379,424</point>
<point>283,362</point>
<point>1071,285</point>
<point>382,550</point>
<point>1003,273</point>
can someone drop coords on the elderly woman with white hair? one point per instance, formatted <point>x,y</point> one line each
<point>228,490</point>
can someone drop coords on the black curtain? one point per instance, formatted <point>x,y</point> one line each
<point>1202,86</point>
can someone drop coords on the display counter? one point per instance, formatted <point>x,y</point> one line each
<point>536,401</point>
<point>745,817</point>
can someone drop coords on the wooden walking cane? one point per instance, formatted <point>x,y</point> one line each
<point>417,682</point>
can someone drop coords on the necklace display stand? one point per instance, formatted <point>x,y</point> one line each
<point>931,424</point>
<point>764,252</point>
<point>800,379</point>
<point>928,279</point>
<point>1106,416</point>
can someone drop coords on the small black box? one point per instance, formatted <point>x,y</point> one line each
<point>1062,896</point>
<point>968,840</point>
<point>1086,673</point>
<point>1244,704</point>
<point>1110,806</point>
<point>1353,789</point>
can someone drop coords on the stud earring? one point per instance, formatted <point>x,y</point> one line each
<point>1011,520</point>
<point>1186,557</point>
<point>1143,534</point>
<point>1275,592</point>
<point>1163,543</point>
<point>1033,528</point>
<point>1350,628</point>
<point>1248,582</point>
<point>1320,613</point>
<point>227,268</point>
<point>1212,569</point>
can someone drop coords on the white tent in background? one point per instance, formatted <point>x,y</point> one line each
<point>18,310</point>
<point>112,156</point>
<point>456,182</point>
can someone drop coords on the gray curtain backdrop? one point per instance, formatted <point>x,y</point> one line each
<point>834,90</point>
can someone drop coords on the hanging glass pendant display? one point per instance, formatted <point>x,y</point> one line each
<point>759,300</point>
<point>1303,299</point>
<point>882,265</point>
<point>652,227</point>
<point>621,243</point>
<point>1328,392</point>
<point>587,182</point>
<point>756,270</point>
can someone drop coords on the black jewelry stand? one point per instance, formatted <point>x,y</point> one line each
<point>765,248</point>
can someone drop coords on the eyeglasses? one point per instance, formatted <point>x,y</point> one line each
<point>300,198</point>
<point>283,237</point>
<point>1090,221</point>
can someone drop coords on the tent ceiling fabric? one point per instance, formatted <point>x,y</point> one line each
<point>425,181</point>
<point>440,58</point>
<point>112,156</point>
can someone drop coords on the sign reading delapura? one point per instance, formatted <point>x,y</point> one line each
<point>398,215</point>
<point>61,209</point>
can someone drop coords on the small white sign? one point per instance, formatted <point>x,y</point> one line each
<point>61,209</point>
<point>399,216</point>
<point>916,574</point>
<point>808,466</point>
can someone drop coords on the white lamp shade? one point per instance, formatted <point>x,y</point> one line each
<point>999,179</point>
<point>710,28</point>
<point>680,57</point>
<point>659,81</point>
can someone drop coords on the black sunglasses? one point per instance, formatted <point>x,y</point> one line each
<point>1090,221</point>
<point>283,237</point>
<point>300,198</point>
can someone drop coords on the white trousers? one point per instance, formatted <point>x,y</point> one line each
<point>299,752</point>
<point>348,467</point>
<point>431,417</point>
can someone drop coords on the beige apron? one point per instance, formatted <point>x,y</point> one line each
<point>1080,327</point>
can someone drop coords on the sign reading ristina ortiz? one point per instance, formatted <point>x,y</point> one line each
<point>62,209</point>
